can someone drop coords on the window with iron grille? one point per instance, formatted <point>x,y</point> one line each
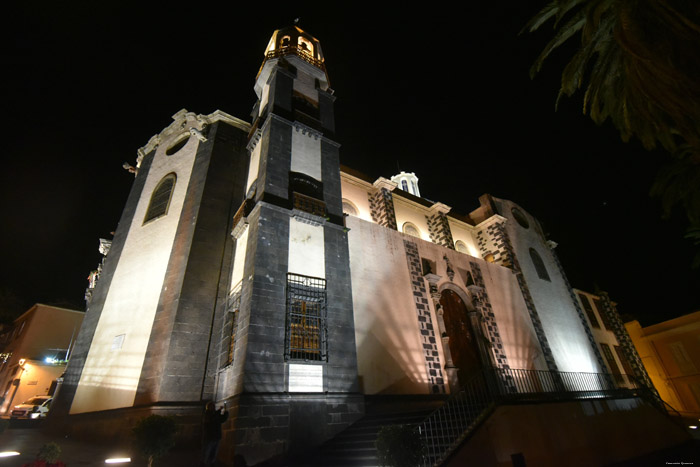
<point>306,333</point>
<point>230,328</point>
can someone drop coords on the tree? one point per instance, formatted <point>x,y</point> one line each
<point>154,436</point>
<point>640,66</point>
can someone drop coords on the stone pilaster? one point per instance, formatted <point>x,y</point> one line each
<point>427,330</point>
<point>439,227</point>
<point>381,204</point>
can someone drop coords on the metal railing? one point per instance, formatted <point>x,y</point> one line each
<point>308,204</point>
<point>243,211</point>
<point>299,52</point>
<point>444,429</point>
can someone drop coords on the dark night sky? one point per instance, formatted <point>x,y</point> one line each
<point>446,95</point>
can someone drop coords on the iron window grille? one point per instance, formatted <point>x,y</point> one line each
<point>306,336</point>
<point>230,327</point>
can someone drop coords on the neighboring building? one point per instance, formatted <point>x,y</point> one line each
<point>35,352</point>
<point>670,352</point>
<point>612,339</point>
<point>250,268</point>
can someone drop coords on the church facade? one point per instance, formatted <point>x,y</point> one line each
<point>251,269</point>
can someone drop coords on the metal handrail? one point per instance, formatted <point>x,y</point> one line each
<point>445,428</point>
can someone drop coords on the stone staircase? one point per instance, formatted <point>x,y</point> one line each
<point>355,446</point>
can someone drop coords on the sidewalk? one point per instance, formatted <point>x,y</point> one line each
<point>27,438</point>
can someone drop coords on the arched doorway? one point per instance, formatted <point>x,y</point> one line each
<point>463,343</point>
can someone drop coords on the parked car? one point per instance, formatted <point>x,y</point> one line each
<point>36,407</point>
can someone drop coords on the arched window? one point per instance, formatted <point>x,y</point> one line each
<point>461,246</point>
<point>306,45</point>
<point>410,229</point>
<point>160,199</point>
<point>349,208</point>
<point>539,265</point>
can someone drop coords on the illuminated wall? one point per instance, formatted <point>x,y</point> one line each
<point>462,232</point>
<point>355,191</point>
<point>408,211</point>
<point>35,380</point>
<point>388,336</point>
<point>552,298</point>
<point>389,349</point>
<point>113,366</point>
<point>670,351</point>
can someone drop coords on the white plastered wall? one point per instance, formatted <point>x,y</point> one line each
<point>465,234</point>
<point>239,259</point>
<point>306,153</point>
<point>306,249</point>
<point>357,194</point>
<point>389,349</point>
<point>520,342</point>
<point>110,376</point>
<point>254,167</point>
<point>561,323</point>
<point>407,211</point>
<point>306,85</point>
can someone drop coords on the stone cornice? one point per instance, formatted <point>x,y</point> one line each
<point>495,219</point>
<point>188,122</point>
<point>382,182</point>
<point>440,207</point>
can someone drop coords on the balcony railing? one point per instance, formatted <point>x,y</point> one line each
<point>242,215</point>
<point>444,430</point>
<point>308,204</point>
<point>299,52</point>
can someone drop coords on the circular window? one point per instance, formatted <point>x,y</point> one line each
<point>520,218</point>
<point>410,229</point>
<point>177,146</point>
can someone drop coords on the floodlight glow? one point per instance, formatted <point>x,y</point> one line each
<point>693,427</point>
<point>118,460</point>
<point>9,454</point>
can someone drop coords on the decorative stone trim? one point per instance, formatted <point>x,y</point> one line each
<point>184,121</point>
<point>307,130</point>
<point>383,183</point>
<point>439,230</point>
<point>254,140</point>
<point>624,340</point>
<point>381,205</point>
<point>420,297</point>
<point>480,299</point>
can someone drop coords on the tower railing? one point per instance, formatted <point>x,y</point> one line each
<point>299,52</point>
<point>444,429</point>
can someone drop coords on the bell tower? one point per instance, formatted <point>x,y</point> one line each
<point>288,364</point>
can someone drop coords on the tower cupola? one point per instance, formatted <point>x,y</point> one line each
<point>294,45</point>
<point>408,182</point>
